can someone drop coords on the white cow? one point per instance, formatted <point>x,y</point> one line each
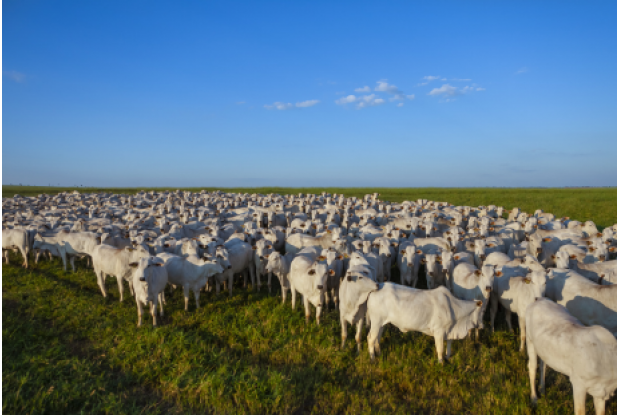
<point>515,293</point>
<point>15,239</point>
<point>149,280</point>
<point>587,355</point>
<point>591,303</point>
<point>471,284</point>
<point>309,277</point>
<point>108,260</point>
<point>190,272</point>
<point>280,265</point>
<point>434,312</point>
<point>353,293</point>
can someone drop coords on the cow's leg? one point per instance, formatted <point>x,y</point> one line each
<point>358,334</point>
<point>63,255</point>
<point>121,289</point>
<point>494,305</point>
<point>508,318</point>
<point>377,347</point>
<point>72,262</point>
<point>439,346</point>
<point>531,364</point>
<point>522,333</point>
<point>139,304</point>
<point>449,349</point>
<point>25,255</point>
<point>197,296</point>
<point>599,406</point>
<point>579,397</point>
<point>284,291</point>
<point>293,296</point>
<point>343,330</point>
<point>154,311</point>
<point>101,282</point>
<point>373,339</point>
<point>162,300</point>
<point>318,314</point>
<point>230,284</point>
<point>186,295</point>
<point>130,282</point>
<point>269,275</point>
<point>306,308</point>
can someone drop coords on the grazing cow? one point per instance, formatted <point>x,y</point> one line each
<point>587,355</point>
<point>434,312</point>
<point>515,294</point>
<point>149,280</point>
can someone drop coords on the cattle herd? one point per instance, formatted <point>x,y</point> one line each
<point>554,273</point>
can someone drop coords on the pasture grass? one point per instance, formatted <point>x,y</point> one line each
<point>596,204</point>
<point>68,350</point>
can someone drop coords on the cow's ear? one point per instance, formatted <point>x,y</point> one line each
<point>254,248</point>
<point>332,272</point>
<point>133,264</point>
<point>477,272</point>
<point>479,303</point>
<point>402,251</point>
<point>158,264</point>
<point>311,272</point>
<point>573,256</point>
<point>498,273</point>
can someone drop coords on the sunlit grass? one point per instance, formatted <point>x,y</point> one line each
<point>66,349</point>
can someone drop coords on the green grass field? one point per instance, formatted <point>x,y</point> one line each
<point>68,350</point>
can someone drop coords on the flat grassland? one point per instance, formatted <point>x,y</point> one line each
<point>66,349</point>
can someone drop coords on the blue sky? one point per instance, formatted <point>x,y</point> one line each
<point>196,93</point>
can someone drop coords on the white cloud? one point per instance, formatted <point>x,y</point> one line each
<point>369,101</point>
<point>446,90</point>
<point>400,104</point>
<point>430,78</point>
<point>346,100</point>
<point>306,104</point>
<point>443,79</point>
<point>364,89</point>
<point>240,103</point>
<point>459,80</point>
<point>522,70</point>
<point>412,96</point>
<point>15,76</point>
<point>362,101</point>
<point>282,106</point>
<point>383,86</point>
<point>279,106</point>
